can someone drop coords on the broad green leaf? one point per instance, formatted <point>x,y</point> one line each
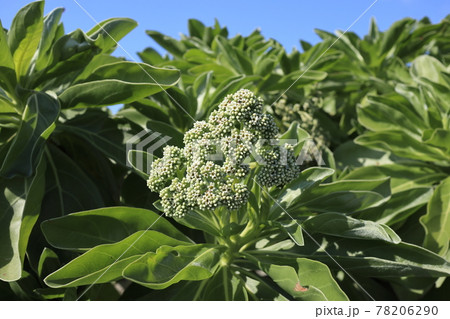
<point>200,57</point>
<point>353,155</point>
<point>396,32</point>
<point>224,285</point>
<point>6,106</point>
<point>387,114</point>
<point>400,206</point>
<point>96,127</point>
<point>174,47</point>
<point>199,221</point>
<point>21,199</point>
<point>344,226</point>
<point>48,262</point>
<point>69,188</point>
<point>307,180</point>
<point>439,138</point>
<point>437,220</point>
<point>68,57</point>
<point>428,67</point>
<point>7,68</point>
<point>196,28</point>
<point>121,82</point>
<point>404,175</point>
<point>364,257</point>
<point>312,281</point>
<point>294,230</point>
<point>110,32</point>
<point>49,32</point>
<point>345,196</point>
<point>151,56</point>
<point>24,36</point>
<point>170,265</point>
<point>230,56</point>
<point>259,288</point>
<point>105,263</point>
<point>88,229</point>
<point>38,122</point>
<point>403,145</point>
<point>298,79</point>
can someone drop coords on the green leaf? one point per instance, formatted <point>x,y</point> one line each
<point>298,79</point>
<point>403,145</point>
<point>48,262</point>
<point>121,82</point>
<point>38,122</point>
<point>353,155</point>
<point>68,57</point>
<point>307,180</point>
<point>96,127</point>
<point>428,67</point>
<point>387,114</point>
<point>404,175</point>
<point>199,220</point>
<point>151,56</point>
<point>49,32</point>
<point>174,47</point>
<point>439,138</point>
<point>170,265</point>
<point>399,207</point>
<point>344,196</point>
<point>110,32</point>
<point>68,189</point>
<point>105,263</point>
<point>224,285</point>
<point>294,230</point>
<point>437,220</point>
<point>364,257</point>
<point>393,35</point>
<point>21,201</point>
<point>344,226</point>
<point>24,36</point>
<point>312,281</point>
<point>7,69</point>
<point>196,28</point>
<point>87,229</point>
<point>260,288</point>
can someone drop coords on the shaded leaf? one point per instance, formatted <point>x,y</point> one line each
<point>38,122</point>
<point>437,220</point>
<point>344,226</point>
<point>105,263</point>
<point>21,199</point>
<point>170,265</point>
<point>88,229</point>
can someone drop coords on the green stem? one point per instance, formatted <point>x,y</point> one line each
<point>225,283</point>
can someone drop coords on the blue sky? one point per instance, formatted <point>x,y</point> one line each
<point>286,21</point>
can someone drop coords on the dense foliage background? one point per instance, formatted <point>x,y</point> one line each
<point>377,107</point>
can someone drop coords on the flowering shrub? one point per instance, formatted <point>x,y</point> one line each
<point>227,210</point>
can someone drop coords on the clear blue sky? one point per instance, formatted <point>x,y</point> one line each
<point>286,21</point>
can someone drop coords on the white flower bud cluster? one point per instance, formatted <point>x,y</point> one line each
<point>192,181</point>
